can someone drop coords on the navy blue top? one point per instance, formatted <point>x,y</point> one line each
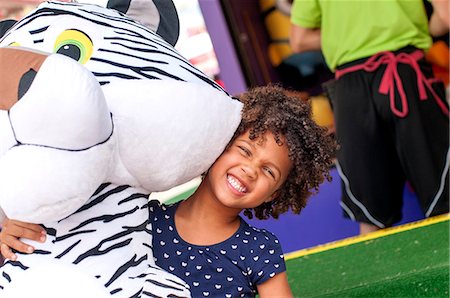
<point>231,268</point>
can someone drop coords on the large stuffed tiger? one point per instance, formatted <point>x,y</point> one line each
<point>85,139</point>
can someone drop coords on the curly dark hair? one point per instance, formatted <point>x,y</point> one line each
<point>311,150</point>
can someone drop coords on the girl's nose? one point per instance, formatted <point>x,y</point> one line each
<point>249,170</point>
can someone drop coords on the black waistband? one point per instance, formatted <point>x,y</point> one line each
<point>408,49</point>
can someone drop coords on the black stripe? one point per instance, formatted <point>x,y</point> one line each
<point>16,264</point>
<point>175,296</point>
<point>115,291</point>
<point>150,294</point>
<point>142,275</point>
<point>128,231</point>
<point>51,11</point>
<point>137,294</point>
<point>100,188</point>
<point>40,30</point>
<point>134,56</point>
<point>6,276</point>
<point>67,236</point>
<point>102,197</point>
<point>159,284</point>
<point>30,18</point>
<point>133,197</point>
<point>121,19</point>
<point>104,218</point>
<point>147,245</point>
<point>177,282</point>
<point>205,79</point>
<point>140,70</point>
<point>116,75</point>
<point>41,252</point>
<point>96,250</point>
<point>67,250</point>
<point>131,263</point>
<point>129,40</point>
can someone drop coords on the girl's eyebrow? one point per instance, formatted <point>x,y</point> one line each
<point>247,142</point>
<point>250,143</point>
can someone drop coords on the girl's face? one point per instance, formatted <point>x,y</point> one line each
<point>249,172</point>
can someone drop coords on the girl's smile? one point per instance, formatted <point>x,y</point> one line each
<point>236,185</point>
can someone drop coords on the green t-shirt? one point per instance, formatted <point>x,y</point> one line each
<point>354,29</point>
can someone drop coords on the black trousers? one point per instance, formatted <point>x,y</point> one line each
<point>379,151</point>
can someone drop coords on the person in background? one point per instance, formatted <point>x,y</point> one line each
<point>390,112</point>
<point>276,159</point>
<point>439,21</point>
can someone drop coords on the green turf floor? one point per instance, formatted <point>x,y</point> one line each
<point>411,263</point>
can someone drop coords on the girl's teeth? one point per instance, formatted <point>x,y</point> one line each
<point>236,184</point>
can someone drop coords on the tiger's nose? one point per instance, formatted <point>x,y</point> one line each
<point>71,115</point>
<point>18,68</point>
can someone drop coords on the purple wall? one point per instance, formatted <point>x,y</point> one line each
<point>230,69</point>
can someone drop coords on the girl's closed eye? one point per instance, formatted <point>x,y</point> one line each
<point>269,171</point>
<point>245,151</point>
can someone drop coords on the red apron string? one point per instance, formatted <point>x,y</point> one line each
<point>391,78</point>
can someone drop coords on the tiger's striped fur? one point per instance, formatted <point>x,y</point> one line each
<point>114,247</point>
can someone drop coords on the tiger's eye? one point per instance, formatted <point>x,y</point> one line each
<point>74,44</point>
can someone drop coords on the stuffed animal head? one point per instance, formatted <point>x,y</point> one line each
<point>98,97</point>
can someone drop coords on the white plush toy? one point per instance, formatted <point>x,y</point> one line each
<point>85,139</point>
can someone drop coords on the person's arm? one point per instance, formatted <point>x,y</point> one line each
<point>276,286</point>
<point>304,39</point>
<point>12,230</point>
<point>439,21</point>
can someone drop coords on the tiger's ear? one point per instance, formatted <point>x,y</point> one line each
<point>5,25</point>
<point>159,16</point>
<point>169,25</point>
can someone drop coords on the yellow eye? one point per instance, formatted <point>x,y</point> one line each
<point>75,44</point>
<point>14,44</point>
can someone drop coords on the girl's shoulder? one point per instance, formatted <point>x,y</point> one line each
<point>254,241</point>
<point>249,231</point>
<point>260,252</point>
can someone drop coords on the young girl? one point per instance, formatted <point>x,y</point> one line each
<point>277,158</point>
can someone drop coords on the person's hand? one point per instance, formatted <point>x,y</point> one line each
<point>12,230</point>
